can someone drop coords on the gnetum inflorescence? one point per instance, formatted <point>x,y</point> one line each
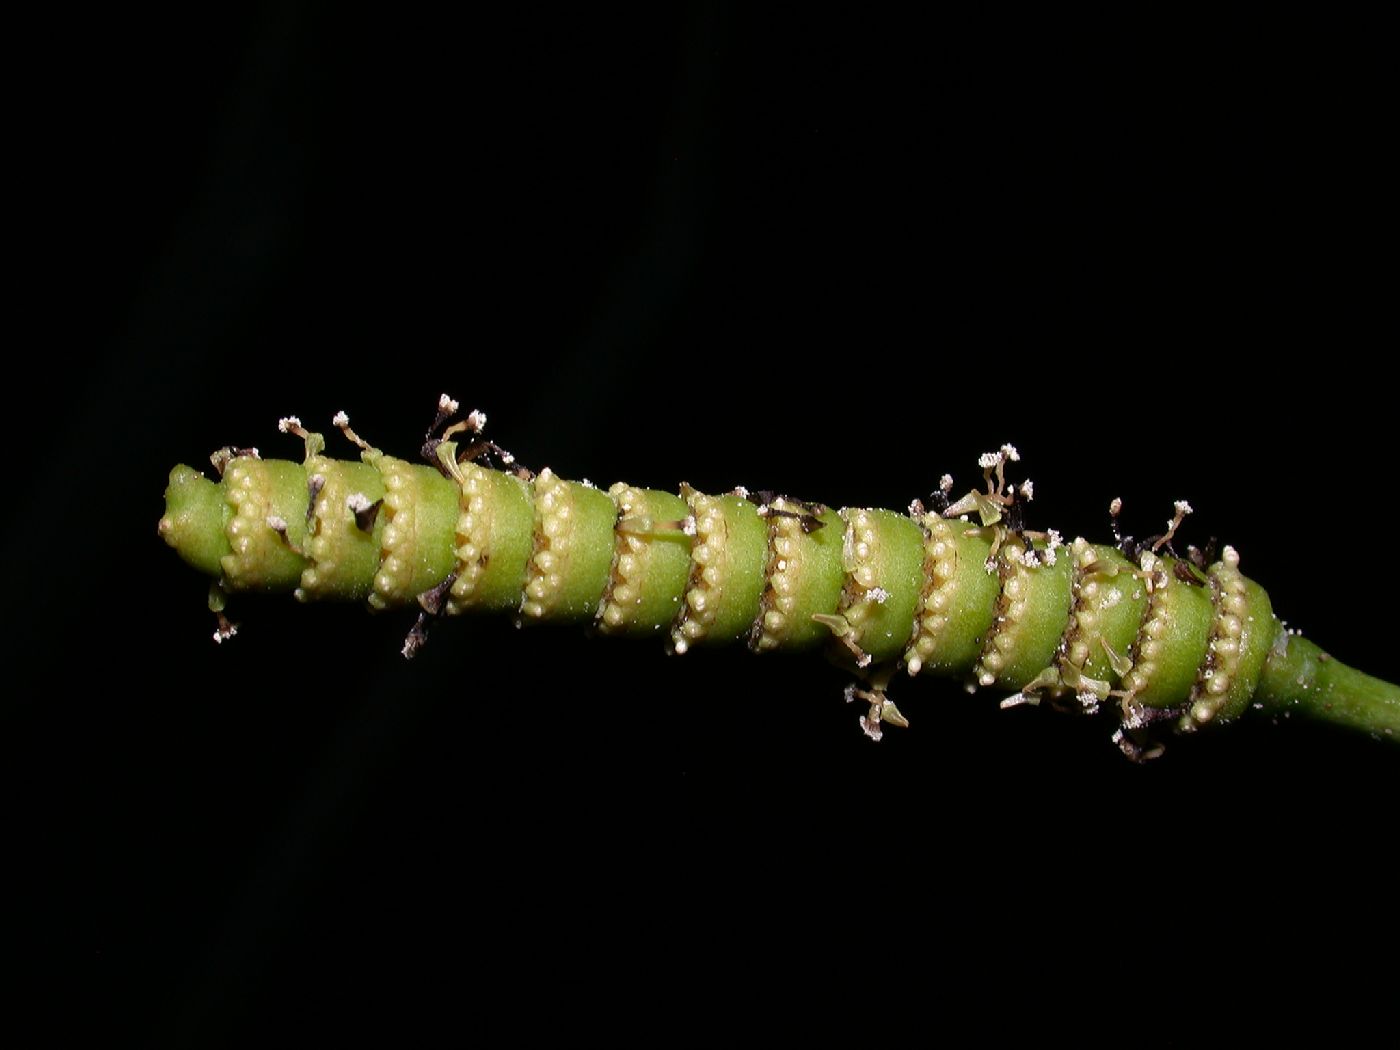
<point>956,588</point>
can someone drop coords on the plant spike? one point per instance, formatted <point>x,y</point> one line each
<point>962,589</point>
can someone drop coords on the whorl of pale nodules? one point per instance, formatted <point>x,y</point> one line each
<point>940,590</point>
<point>705,590</point>
<point>393,583</point>
<point>1212,688</point>
<point>624,590</point>
<point>784,573</point>
<point>553,509</point>
<point>472,536</point>
<point>247,528</point>
<point>858,558</point>
<point>1007,633</point>
<point>1084,613</point>
<point>1148,647</point>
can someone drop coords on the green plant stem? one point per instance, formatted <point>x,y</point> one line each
<point>1197,646</point>
<point>1300,676</point>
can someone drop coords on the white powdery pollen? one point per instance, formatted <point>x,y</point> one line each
<point>447,404</point>
<point>1009,451</point>
<point>1028,489</point>
<point>287,422</point>
<point>341,419</point>
<point>1182,507</point>
<point>356,502</point>
<point>1134,718</point>
<point>1116,507</point>
<point>945,483</point>
<point>988,460</point>
<point>476,419</point>
<point>878,595</point>
<point>276,523</point>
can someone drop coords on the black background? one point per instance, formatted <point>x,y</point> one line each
<point>832,255</point>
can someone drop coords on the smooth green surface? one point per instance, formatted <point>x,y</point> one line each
<point>432,515</point>
<point>1299,676</point>
<point>194,520</point>
<point>1118,607</point>
<point>742,569</point>
<point>973,608</point>
<point>819,580</point>
<point>898,561</point>
<point>1189,612</point>
<point>663,566</point>
<point>510,525</point>
<point>586,566</point>
<point>1042,625</point>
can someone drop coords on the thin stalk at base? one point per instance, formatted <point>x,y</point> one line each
<point>1299,675</point>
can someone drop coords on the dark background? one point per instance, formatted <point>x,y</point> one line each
<point>832,255</point>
